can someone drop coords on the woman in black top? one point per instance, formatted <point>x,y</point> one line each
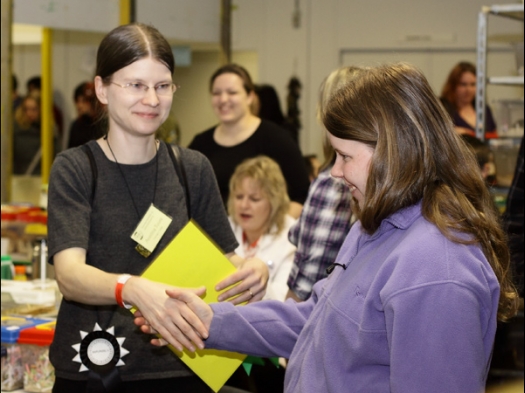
<point>241,135</point>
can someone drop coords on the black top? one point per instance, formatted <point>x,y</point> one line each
<point>269,139</point>
<point>103,226</point>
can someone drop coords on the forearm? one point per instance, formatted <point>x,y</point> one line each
<point>81,282</point>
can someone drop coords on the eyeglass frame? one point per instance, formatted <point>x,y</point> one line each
<point>144,88</point>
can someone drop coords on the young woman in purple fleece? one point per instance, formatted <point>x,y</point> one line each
<point>412,302</point>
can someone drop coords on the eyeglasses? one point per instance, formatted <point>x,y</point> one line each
<point>140,89</point>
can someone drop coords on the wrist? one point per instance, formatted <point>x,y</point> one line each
<point>119,287</point>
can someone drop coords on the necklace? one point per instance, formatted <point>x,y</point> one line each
<point>250,249</point>
<point>124,177</point>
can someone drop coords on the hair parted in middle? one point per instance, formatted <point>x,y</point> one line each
<point>268,175</point>
<point>126,44</point>
<point>418,156</point>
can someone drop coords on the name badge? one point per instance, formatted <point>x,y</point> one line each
<point>150,230</point>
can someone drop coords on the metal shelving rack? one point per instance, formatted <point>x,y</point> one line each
<point>512,11</point>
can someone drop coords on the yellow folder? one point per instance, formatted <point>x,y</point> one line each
<point>192,260</point>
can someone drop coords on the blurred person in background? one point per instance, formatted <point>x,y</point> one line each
<point>327,212</point>
<point>258,207</point>
<point>88,125</point>
<point>27,151</point>
<point>34,85</point>
<point>313,165</point>
<point>258,210</point>
<point>266,105</point>
<point>241,135</point>
<point>458,97</point>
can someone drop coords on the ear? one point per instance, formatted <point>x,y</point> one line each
<point>251,98</point>
<point>101,90</point>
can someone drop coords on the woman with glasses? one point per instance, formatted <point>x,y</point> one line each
<point>98,195</point>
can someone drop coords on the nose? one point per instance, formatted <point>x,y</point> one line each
<point>223,97</point>
<point>244,203</point>
<point>151,98</point>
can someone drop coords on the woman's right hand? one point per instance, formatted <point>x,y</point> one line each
<point>168,316</point>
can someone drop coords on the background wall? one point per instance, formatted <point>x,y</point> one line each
<point>278,39</point>
<point>339,32</point>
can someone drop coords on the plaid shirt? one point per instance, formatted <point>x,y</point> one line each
<point>319,232</point>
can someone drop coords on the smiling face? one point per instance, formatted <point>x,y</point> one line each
<point>466,89</point>
<point>230,101</point>
<point>352,165</point>
<point>129,113</point>
<point>252,207</point>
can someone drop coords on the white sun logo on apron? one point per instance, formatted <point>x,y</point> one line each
<point>99,350</point>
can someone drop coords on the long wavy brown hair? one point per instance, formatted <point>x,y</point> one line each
<point>419,156</point>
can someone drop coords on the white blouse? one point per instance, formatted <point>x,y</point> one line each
<point>278,253</point>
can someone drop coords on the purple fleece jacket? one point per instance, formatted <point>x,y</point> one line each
<point>412,312</point>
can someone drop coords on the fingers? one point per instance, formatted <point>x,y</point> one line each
<point>159,342</point>
<point>176,329</point>
<point>232,279</point>
<point>202,313</point>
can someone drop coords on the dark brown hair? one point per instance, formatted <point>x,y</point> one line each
<point>419,156</point>
<point>126,44</point>
<point>238,70</point>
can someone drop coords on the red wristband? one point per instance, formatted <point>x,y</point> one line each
<point>118,290</point>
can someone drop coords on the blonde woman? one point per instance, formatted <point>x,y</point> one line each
<point>257,205</point>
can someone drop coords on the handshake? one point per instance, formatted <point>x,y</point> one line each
<point>191,322</point>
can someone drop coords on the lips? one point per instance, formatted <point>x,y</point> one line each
<point>147,115</point>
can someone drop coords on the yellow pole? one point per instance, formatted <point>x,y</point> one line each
<point>125,12</point>
<point>47,104</point>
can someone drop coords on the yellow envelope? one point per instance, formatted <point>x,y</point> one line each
<point>192,259</point>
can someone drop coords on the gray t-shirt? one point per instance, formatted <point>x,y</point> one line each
<point>103,227</point>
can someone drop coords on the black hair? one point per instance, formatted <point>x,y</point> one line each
<point>270,106</point>
<point>35,82</point>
